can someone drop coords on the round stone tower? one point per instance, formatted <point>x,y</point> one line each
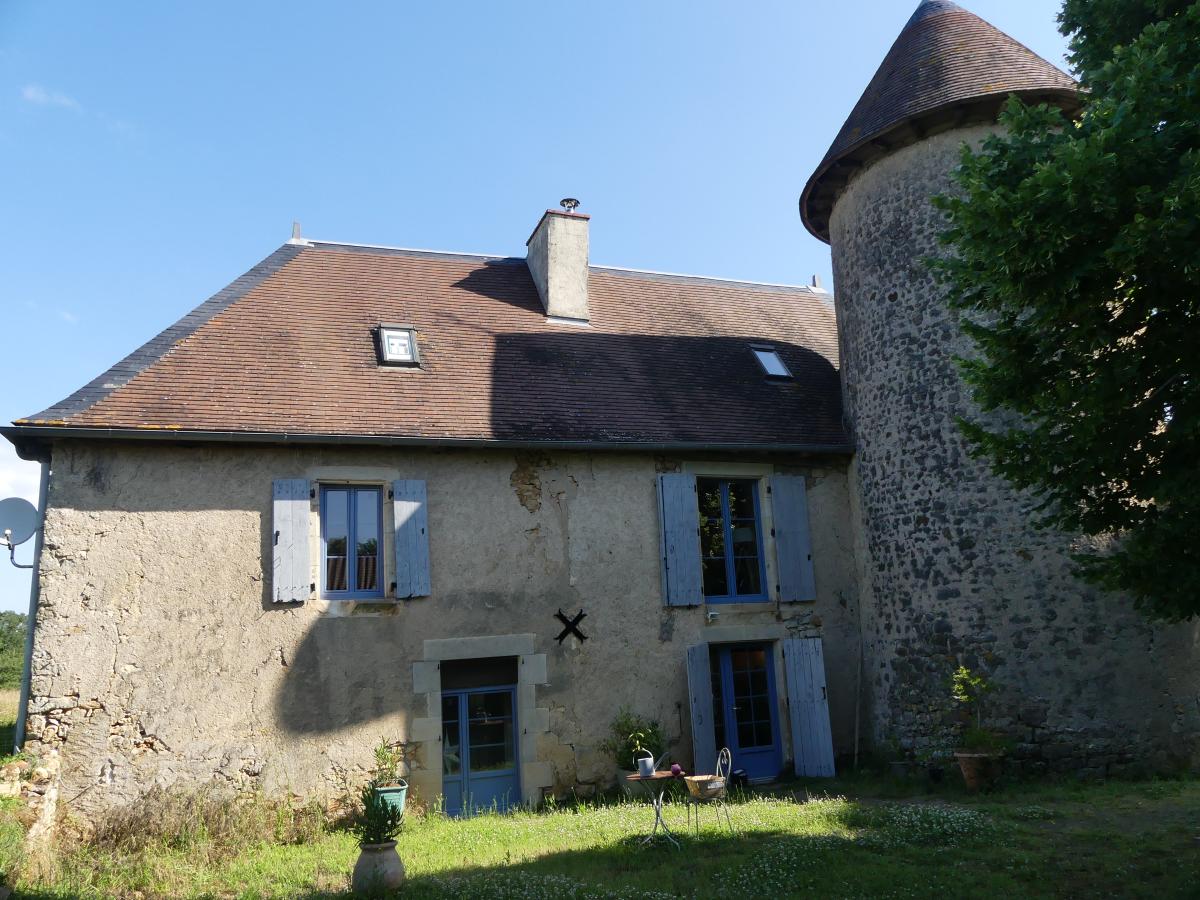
<point>951,569</point>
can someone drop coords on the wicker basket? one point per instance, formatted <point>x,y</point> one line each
<point>706,787</point>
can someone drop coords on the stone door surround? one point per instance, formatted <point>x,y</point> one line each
<point>531,720</point>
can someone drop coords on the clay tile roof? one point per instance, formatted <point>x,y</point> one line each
<point>288,349</point>
<point>948,67</point>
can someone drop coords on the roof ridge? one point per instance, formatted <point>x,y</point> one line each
<point>803,288</point>
<point>405,251</point>
<point>502,258</point>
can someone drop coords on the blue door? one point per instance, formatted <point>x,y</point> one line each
<point>744,708</point>
<point>479,750</point>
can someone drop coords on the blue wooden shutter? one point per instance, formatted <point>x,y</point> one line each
<point>793,543</point>
<point>700,693</point>
<point>410,513</point>
<point>808,707</point>
<point>290,572</point>
<point>679,516</point>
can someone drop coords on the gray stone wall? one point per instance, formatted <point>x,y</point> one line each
<point>951,570</point>
<point>160,660</point>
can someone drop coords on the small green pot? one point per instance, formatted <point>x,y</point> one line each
<point>394,795</point>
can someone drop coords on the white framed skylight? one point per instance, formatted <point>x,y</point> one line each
<point>768,357</point>
<point>396,345</point>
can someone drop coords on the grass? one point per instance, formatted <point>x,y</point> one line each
<point>9,698</point>
<point>857,837</point>
<point>1042,840</point>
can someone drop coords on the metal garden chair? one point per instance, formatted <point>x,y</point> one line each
<point>710,790</point>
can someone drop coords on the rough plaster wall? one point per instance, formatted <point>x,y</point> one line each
<point>952,570</point>
<point>159,658</point>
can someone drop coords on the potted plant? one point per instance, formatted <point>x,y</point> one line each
<point>930,760</point>
<point>632,736</point>
<point>389,757</point>
<point>981,753</point>
<point>379,867</point>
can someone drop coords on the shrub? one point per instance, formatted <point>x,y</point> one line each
<point>216,823</point>
<point>379,822</point>
<point>389,757</point>
<point>630,734</point>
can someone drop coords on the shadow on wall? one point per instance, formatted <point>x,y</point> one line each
<point>346,671</point>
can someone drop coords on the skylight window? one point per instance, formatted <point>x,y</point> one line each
<point>770,360</point>
<point>396,345</point>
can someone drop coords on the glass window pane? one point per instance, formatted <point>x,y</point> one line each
<point>451,751</point>
<point>493,732</point>
<point>482,707</point>
<point>758,681</point>
<point>745,538</point>
<point>771,363</point>
<point>708,490</point>
<point>741,686</point>
<point>712,538</point>
<point>449,709</point>
<point>761,709</point>
<point>762,734</point>
<point>745,734</point>
<point>336,529</point>
<point>741,499</point>
<point>748,576</point>
<point>756,659</point>
<point>366,539</point>
<point>716,583</point>
<point>490,758</point>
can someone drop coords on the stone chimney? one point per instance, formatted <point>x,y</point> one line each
<point>557,257</point>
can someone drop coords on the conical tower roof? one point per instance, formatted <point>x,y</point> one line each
<point>947,68</point>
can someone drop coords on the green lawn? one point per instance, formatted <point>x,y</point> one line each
<point>1131,839</point>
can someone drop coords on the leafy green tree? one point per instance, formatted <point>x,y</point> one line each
<point>1075,267</point>
<point>12,648</point>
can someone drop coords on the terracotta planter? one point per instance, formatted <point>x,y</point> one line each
<point>378,869</point>
<point>979,769</point>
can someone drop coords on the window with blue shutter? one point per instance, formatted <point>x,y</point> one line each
<point>680,521</point>
<point>350,542</point>
<point>731,545</point>
<point>290,572</point>
<point>793,543</point>
<point>411,516</point>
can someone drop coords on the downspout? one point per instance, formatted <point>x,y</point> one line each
<point>35,585</point>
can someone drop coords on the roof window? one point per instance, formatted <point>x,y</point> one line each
<point>396,345</point>
<point>770,360</point>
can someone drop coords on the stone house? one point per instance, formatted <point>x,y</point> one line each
<point>367,492</point>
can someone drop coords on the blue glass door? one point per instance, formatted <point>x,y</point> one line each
<point>745,710</point>
<point>479,750</point>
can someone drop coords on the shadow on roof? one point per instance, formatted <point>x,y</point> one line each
<point>571,383</point>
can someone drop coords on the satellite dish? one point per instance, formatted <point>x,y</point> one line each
<point>18,520</point>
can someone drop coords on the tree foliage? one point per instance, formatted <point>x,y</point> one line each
<point>12,648</point>
<point>1075,266</point>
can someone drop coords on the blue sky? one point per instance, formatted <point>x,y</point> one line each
<point>154,152</point>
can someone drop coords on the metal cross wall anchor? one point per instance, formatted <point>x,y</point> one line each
<point>572,625</point>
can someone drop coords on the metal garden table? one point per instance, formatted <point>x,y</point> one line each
<point>655,786</point>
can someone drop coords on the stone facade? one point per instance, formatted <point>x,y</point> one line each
<point>951,569</point>
<point>160,659</point>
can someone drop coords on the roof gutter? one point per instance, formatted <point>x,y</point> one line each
<point>30,441</point>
